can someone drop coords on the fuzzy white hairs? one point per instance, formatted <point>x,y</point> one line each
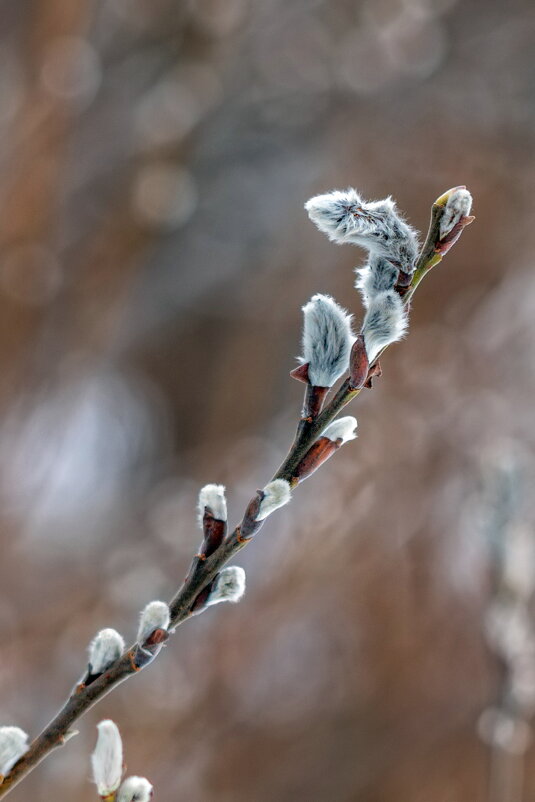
<point>154,616</point>
<point>276,494</point>
<point>213,497</point>
<point>105,648</point>
<point>341,429</point>
<point>458,205</point>
<point>375,225</point>
<point>13,745</point>
<point>107,759</point>
<point>229,586</point>
<point>327,340</point>
<point>392,243</point>
<point>385,322</point>
<point>135,789</point>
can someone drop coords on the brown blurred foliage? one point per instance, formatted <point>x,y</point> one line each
<point>155,159</point>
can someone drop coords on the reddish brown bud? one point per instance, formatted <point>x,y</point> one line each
<point>403,283</point>
<point>358,364</point>
<point>156,638</point>
<point>317,454</point>
<point>199,605</point>
<point>374,371</point>
<point>443,245</point>
<point>314,398</point>
<point>300,373</point>
<point>214,533</point>
<point>250,525</point>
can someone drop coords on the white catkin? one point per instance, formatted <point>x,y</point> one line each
<point>135,789</point>
<point>154,616</point>
<point>229,587</point>
<point>105,648</point>
<point>457,206</point>
<point>343,429</point>
<point>378,276</point>
<point>212,496</point>
<point>327,340</point>
<point>375,225</point>
<point>385,322</point>
<point>13,745</point>
<point>276,494</point>
<point>107,759</point>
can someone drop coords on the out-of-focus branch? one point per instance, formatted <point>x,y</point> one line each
<point>507,727</point>
<point>316,439</point>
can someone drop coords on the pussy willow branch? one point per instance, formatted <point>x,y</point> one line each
<point>202,572</point>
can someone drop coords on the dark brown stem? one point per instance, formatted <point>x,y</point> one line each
<point>203,571</point>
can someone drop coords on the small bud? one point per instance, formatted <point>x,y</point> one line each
<point>135,789</point>
<point>229,586</point>
<point>359,364</point>
<point>212,517</point>
<point>107,759</point>
<point>385,322</point>
<point>300,374</point>
<point>341,429</point>
<point>327,340</point>
<point>105,648</point>
<point>458,205</point>
<point>276,494</point>
<point>154,616</point>
<point>335,435</point>
<point>318,453</point>
<point>212,498</point>
<point>13,745</point>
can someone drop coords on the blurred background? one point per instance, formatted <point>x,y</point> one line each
<point>154,256</point>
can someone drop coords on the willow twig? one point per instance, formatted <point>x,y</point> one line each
<point>203,571</point>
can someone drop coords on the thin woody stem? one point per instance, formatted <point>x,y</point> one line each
<point>202,572</point>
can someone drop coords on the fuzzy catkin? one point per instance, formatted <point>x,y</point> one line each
<point>105,648</point>
<point>375,225</point>
<point>135,789</point>
<point>154,616</point>
<point>343,429</point>
<point>229,586</point>
<point>458,205</point>
<point>107,758</point>
<point>327,340</point>
<point>13,745</point>
<point>213,497</point>
<point>276,494</point>
<point>385,322</point>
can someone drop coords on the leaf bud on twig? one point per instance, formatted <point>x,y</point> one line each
<point>458,205</point>
<point>359,364</point>
<point>335,435</point>
<point>212,509</point>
